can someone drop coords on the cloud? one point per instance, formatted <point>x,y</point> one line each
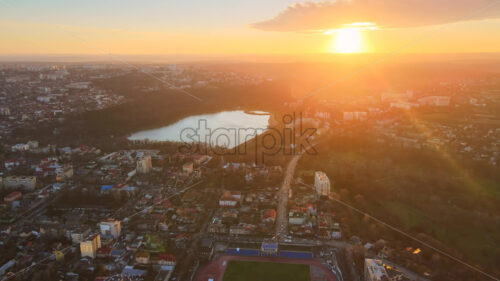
<point>313,16</point>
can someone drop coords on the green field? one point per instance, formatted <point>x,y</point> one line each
<point>265,271</point>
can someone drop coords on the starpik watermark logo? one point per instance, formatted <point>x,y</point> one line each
<point>290,135</point>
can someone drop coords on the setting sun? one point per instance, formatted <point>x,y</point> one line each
<point>347,40</point>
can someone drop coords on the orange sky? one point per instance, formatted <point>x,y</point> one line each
<point>24,33</point>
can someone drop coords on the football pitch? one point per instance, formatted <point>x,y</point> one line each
<point>265,271</point>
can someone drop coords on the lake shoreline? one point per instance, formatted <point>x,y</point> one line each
<point>229,126</point>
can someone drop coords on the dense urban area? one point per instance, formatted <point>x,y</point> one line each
<point>396,184</point>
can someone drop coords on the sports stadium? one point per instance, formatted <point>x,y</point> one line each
<point>265,261</point>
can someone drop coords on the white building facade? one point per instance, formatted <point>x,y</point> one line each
<point>89,248</point>
<point>110,228</point>
<point>321,184</point>
<point>144,165</point>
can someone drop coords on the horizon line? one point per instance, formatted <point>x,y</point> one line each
<point>242,57</point>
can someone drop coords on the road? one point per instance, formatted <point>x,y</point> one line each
<point>282,216</point>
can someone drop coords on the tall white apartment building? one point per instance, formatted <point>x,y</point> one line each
<point>89,248</point>
<point>321,184</point>
<point>144,165</point>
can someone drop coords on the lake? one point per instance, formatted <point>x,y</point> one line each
<point>225,128</point>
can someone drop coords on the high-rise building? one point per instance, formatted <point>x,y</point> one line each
<point>375,271</point>
<point>144,165</point>
<point>110,228</point>
<point>321,184</point>
<point>89,248</point>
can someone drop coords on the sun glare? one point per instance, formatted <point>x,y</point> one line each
<point>346,41</point>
